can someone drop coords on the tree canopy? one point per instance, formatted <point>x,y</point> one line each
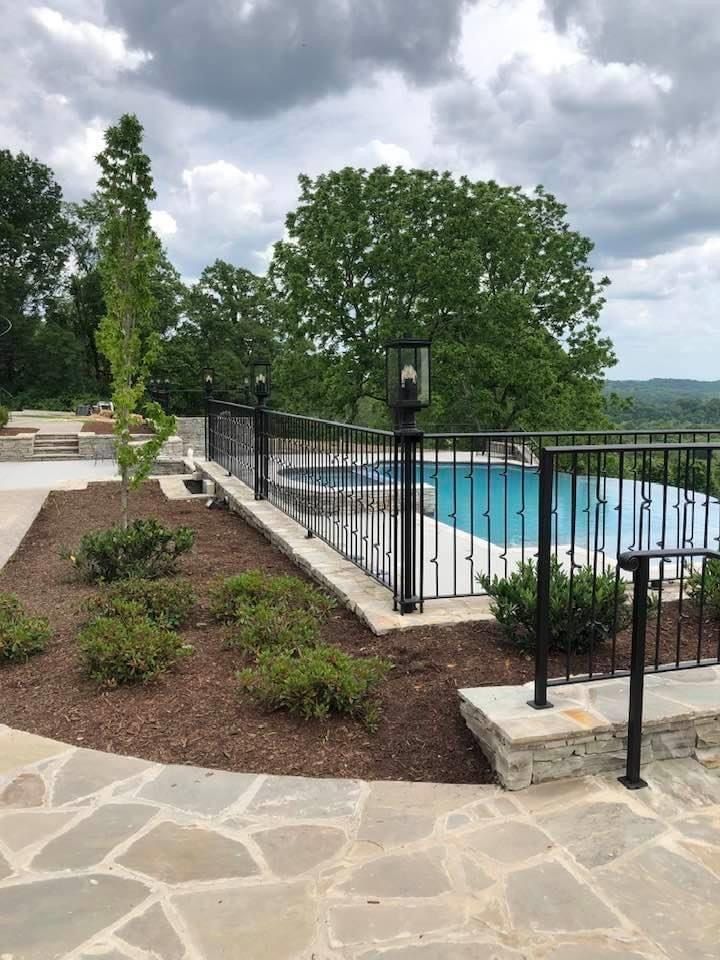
<point>494,277</point>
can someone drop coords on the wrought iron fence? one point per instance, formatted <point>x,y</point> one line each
<point>599,502</point>
<point>428,515</point>
<point>340,482</point>
<point>230,438</point>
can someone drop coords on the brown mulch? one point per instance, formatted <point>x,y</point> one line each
<point>193,713</point>
<point>104,426</point>
<point>14,431</point>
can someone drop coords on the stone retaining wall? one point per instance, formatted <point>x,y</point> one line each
<point>96,446</point>
<point>191,431</point>
<point>19,447</point>
<point>585,732</point>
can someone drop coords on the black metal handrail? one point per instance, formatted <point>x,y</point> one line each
<point>638,563</point>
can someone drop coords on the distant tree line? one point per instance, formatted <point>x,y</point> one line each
<point>662,403</point>
<point>494,275</point>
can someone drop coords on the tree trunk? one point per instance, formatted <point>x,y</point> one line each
<point>124,489</point>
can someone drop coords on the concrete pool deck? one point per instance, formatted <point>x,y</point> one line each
<point>104,856</point>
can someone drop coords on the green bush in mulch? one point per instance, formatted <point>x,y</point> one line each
<point>599,604</point>
<point>704,591</point>
<point>165,602</point>
<point>314,682</point>
<point>128,646</point>
<point>4,416</point>
<point>147,550</point>
<point>20,636</point>
<point>269,626</point>
<point>233,598</point>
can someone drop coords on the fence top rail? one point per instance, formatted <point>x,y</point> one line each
<point>228,403</point>
<point>330,423</point>
<point>630,448</point>
<point>501,434</point>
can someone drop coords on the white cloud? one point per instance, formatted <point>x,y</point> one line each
<point>163,223</point>
<point>83,37</point>
<point>76,156</point>
<point>391,154</point>
<point>224,190</point>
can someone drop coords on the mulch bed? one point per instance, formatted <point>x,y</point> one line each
<point>14,431</point>
<point>193,714</point>
<point>104,427</point>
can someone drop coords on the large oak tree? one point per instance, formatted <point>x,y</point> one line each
<point>494,276</point>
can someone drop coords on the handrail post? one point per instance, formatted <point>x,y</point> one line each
<point>641,581</point>
<point>408,437</point>
<point>544,569</point>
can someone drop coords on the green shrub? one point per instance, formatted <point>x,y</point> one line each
<point>231,598</point>
<point>266,625</point>
<point>315,682</point>
<point>4,416</point>
<point>128,647</point>
<point>147,550</point>
<point>167,602</point>
<point>20,636</point>
<point>590,617</point>
<point>707,594</point>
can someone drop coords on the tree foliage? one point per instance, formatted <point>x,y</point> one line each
<point>127,335</point>
<point>34,235</point>
<point>495,277</point>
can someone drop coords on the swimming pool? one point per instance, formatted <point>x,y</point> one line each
<point>499,503</point>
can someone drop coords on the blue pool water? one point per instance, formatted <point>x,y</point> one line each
<point>500,503</point>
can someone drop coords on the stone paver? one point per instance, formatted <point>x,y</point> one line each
<point>290,851</point>
<point>152,932</point>
<point>179,854</point>
<point>270,921</point>
<point>199,791</point>
<point>115,858</point>
<point>92,839</point>
<point>46,919</point>
<point>88,771</point>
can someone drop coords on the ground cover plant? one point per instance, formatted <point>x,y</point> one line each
<point>579,619</point>
<point>267,626</point>
<point>704,591</point>
<point>21,636</point>
<point>165,602</point>
<point>234,596</point>
<point>315,682</point>
<point>4,416</point>
<point>145,550</point>
<point>127,646</point>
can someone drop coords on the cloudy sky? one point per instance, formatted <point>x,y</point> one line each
<point>611,104</point>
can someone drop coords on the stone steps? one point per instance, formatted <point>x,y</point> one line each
<point>56,446</point>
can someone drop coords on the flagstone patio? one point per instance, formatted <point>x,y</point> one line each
<point>111,857</point>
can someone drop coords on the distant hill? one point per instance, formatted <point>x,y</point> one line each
<point>662,402</point>
<point>660,387</point>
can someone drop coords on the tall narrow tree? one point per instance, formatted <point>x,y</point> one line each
<point>129,254</point>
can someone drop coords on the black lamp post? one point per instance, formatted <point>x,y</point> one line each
<point>262,383</point>
<point>407,381</point>
<point>208,379</point>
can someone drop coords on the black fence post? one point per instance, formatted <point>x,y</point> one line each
<point>641,581</point>
<point>208,401</point>
<point>261,450</point>
<point>408,439</point>
<point>542,629</point>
